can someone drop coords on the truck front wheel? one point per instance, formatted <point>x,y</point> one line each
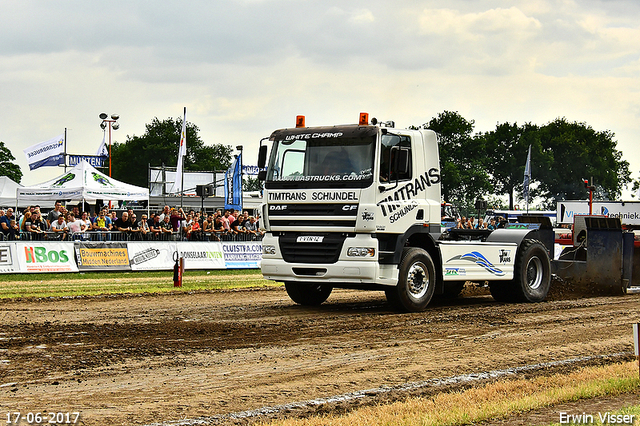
<point>308,294</point>
<point>416,281</point>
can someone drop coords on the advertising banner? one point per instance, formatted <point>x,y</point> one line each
<point>8,261</point>
<point>47,153</point>
<point>233,185</point>
<point>244,255</point>
<point>49,257</point>
<point>201,255</point>
<point>152,256</point>
<point>627,211</point>
<point>100,256</point>
<point>95,161</point>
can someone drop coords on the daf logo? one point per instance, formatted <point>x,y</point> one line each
<point>349,207</point>
<point>278,207</point>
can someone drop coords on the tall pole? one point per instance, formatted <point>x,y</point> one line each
<point>65,150</point>
<point>109,149</point>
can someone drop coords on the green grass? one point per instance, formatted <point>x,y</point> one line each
<point>105,283</point>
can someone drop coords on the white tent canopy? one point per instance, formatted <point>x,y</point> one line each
<point>8,191</point>
<point>83,183</point>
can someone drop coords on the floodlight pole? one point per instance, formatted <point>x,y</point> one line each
<point>113,123</point>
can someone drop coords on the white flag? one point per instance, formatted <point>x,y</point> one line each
<point>527,177</point>
<point>102,150</point>
<point>47,153</point>
<point>182,152</point>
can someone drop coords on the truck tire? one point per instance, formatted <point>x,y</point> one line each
<point>416,281</point>
<point>308,294</point>
<point>501,291</point>
<point>532,273</point>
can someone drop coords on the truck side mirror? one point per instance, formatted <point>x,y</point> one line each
<point>262,156</point>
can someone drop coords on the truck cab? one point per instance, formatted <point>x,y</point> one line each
<point>359,206</point>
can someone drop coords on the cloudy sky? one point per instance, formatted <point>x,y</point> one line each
<point>246,67</point>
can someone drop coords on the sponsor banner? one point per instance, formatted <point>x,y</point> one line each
<point>48,257</point>
<point>151,256</point>
<point>8,261</point>
<point>233,185</point>
<point>242,254</point>
<point>100,256</point>
<point>91,159</point>
<point>627,211</point>
<point>47,153</point>
<point>201,255</point>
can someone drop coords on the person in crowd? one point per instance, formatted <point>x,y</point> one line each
<point>25,226</point>
<point>123,225</point>
<point>166,211</point>
<point>143,227</point>
<point>102,222</point>
<point>481,224</point>
<point>167,227</point>
<point>177,216</point>
<point>196,229</point>
<point>5,222</point>
<point>76,226</point>
<point>151,219</point>
<point>471,224</point>
<point>38,226</point>
<point>59,228</point>
<point>207,227</point>
<point>134,227</point>
<point>52,216</point>
<point>14,230</point>
<point>156,227</point>
<point>462,223</point>
<point>237,228</point>
<point>251,226</point>
<point>219,232</point>
<point>492,224</point>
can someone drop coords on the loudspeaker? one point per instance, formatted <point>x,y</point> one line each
<point>204,190</point>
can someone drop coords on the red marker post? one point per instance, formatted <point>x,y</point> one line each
<point>636,343</point>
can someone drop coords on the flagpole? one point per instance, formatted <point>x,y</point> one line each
<point>184,128</point>
<point>65,150</point>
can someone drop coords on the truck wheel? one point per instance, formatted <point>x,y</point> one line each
<point>308,294</point>
<point>532,273</point>
<point>416,281</point>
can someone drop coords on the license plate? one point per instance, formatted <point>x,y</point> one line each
<point>309,239</point>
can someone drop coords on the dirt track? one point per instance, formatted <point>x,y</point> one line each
<point>147,359</point>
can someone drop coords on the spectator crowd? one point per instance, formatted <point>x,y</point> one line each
<point>170,224</point>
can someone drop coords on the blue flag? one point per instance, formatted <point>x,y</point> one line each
<point>233,185</point>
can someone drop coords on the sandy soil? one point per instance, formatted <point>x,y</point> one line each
<point>160,358</point>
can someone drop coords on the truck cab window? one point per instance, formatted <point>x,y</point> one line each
<point>390,170</point>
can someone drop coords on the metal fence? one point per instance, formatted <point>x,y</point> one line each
<point>131,236</point>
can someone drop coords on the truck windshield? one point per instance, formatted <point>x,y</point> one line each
<point>317,158</point>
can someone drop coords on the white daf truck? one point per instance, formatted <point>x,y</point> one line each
<point>358,206</point>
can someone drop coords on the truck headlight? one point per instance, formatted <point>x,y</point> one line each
<point>361,252</point>
<point>268,249</point>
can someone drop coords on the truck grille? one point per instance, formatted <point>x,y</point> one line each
<point>313,215</point>
<point>326,251</point>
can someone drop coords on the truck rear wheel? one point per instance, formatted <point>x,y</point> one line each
<point>308,294</point>
<point>532,274</point>
<point>416,281</point>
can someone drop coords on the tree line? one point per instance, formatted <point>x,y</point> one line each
<point>485,165</point>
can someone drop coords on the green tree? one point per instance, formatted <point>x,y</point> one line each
<point>462,163</point>
<point>8,167</point>
<point>571,152</point>
<point>251,184</point>
<point>506,150</point>
<point>159,145</point>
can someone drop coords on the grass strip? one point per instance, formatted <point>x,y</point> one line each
<point>492,401</point>
<point>105,283</point>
